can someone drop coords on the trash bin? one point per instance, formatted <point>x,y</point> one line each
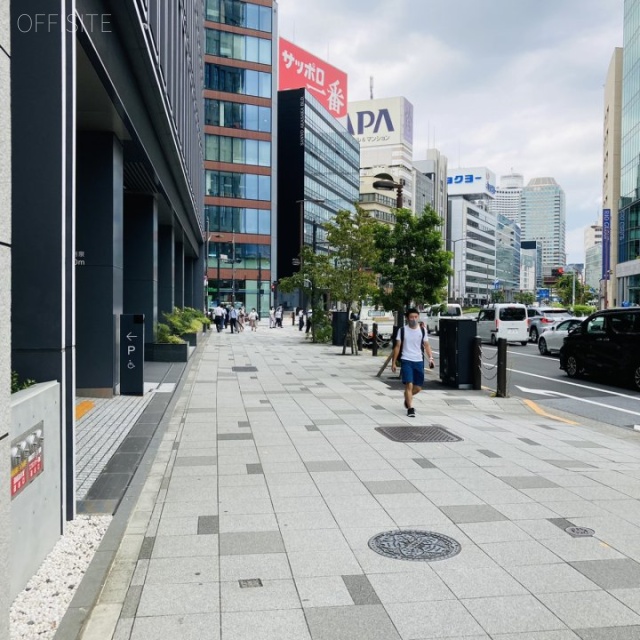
<point>339,327</point>
<point>456,352</point>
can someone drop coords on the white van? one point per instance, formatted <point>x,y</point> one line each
<point>384,320</point>
<point>438,311</point>
<point>507,321</point>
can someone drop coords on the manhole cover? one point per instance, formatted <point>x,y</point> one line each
<point>243,369</point>
<point>418,434</point>
<point>414,545</point>
<point>579,532</point>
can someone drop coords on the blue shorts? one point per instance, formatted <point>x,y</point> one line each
<point>412,372</point>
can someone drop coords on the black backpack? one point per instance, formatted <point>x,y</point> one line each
<point>401,332</point>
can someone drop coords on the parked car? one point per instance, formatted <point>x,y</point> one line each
<point>552,338</point>
<point>606,343</point>
<point>384,320</point>
<point>540,318</point>
<point>438,311</point>
<point>507,321</point>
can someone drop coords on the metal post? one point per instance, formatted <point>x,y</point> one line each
<point>259,280</point>
<point>206,264</point>
<point>573,289</point>
<point>233,265</point>
<point>501,391</point>
<point>374,345</point>
<point>313,289</point>
<point>477,363</point>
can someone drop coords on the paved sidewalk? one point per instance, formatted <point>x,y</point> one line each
<point>255,519</point>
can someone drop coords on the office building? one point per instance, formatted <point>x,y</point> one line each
<point>507,257</point>
<point>471,235</point>
<point>435,167</point>
<point>628,266</point>
<point>5,309</point>
<point>111,222</point>
<point>508,200</point>
<point>319,164</point>
<point>531,277</point>
<point>611,149</point>
<point>240,98</point>
<point>543,218</point>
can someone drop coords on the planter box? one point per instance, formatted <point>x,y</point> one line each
<point>159,352</point>
<point>191,338</point>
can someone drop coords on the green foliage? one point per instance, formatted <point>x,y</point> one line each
<point>581,310</point>
<point>19,385</point>
<point>525,297</point>
<point>351,237</point>
<point>321,326</point>
<point>187,320</point>
<point>497,296</point>
<point>165,336</point>
<point>564,289</point>
<point>412,264</point>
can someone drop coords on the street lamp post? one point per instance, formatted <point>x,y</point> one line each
<point>454,242</point>
<point>390,185</point>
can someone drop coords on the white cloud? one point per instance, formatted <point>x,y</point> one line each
<point>510,84</point>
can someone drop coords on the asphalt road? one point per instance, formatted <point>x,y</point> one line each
<point>539,378</point>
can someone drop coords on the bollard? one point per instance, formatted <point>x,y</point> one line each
<point>477,363</point>
<point>501,390</point>
<point>374,344</point>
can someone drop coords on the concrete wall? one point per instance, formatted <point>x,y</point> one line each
<point>36,523</point>
<point>5,307</point>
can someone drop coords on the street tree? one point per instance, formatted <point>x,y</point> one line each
<point>564,288</point>
<point>313,277</point>
<point>350,236</point>
<point>524,297</point>
<point>412,265</point>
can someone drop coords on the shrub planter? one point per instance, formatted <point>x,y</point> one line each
<point>161,352</point>
<point>191,338</point>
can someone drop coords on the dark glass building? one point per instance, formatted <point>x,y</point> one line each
<point>319,175</point>
<point>239,113</point>
<point>107,185</point>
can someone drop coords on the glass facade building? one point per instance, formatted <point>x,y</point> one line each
<point>628,268</point>
<point>239,152</point>
<point>322,177</point>
<point>543,218</point>
<point>507,256</point>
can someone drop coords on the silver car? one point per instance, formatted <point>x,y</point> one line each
<point>551,339</point>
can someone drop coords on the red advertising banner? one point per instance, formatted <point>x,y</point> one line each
<point>299,69</point>
<point>27,459</point>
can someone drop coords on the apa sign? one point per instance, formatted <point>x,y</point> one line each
<point>300,69</point>
<point>381,122</point>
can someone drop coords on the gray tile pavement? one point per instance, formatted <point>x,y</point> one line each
<point>254,524</point>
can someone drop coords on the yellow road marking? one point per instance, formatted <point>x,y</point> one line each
<point>541,412</point>
<point>83,408</point>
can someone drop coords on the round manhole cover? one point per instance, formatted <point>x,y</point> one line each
<point>414,545</point>
<point>579,532</point>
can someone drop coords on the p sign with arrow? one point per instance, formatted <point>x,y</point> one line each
<point>132,354</point>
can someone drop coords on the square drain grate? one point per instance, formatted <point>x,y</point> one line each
<point>418,434</point>
<point>243,369</point>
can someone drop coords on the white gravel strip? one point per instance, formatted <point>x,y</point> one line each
<point>38,610</point>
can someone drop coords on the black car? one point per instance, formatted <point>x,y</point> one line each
<point>606,343</point>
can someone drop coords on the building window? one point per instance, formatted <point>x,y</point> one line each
<point>238,219</point>
<point>238,47</point>
<point>237,150</point>
<point>233,80</point>
<point>239,14</point>
<point>225,184</point>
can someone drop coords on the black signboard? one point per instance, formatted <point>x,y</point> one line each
<point>132,354</point>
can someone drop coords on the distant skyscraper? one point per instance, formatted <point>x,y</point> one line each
<point>543,218</point>
<point>593,256</point>
<point>508,200</point>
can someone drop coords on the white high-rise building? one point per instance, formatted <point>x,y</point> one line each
<point>508,199</point>
<point>543,218</point>
<point>593,256</point>
<point>435,167</point>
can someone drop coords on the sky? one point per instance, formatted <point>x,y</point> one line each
<point>512,85</point>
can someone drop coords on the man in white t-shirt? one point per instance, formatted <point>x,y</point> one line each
<point>413,341</point>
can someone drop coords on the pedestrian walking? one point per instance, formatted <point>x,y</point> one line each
<point>301,319</point>
<point>233,319</point>
<point>279,317</point>
<point>412,342</point>
<point>309,320</point>
<point>272,318</point>
<point>253,320</point>
<point>218,317</point>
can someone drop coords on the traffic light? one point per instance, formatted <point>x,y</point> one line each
<point>557,272</point>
